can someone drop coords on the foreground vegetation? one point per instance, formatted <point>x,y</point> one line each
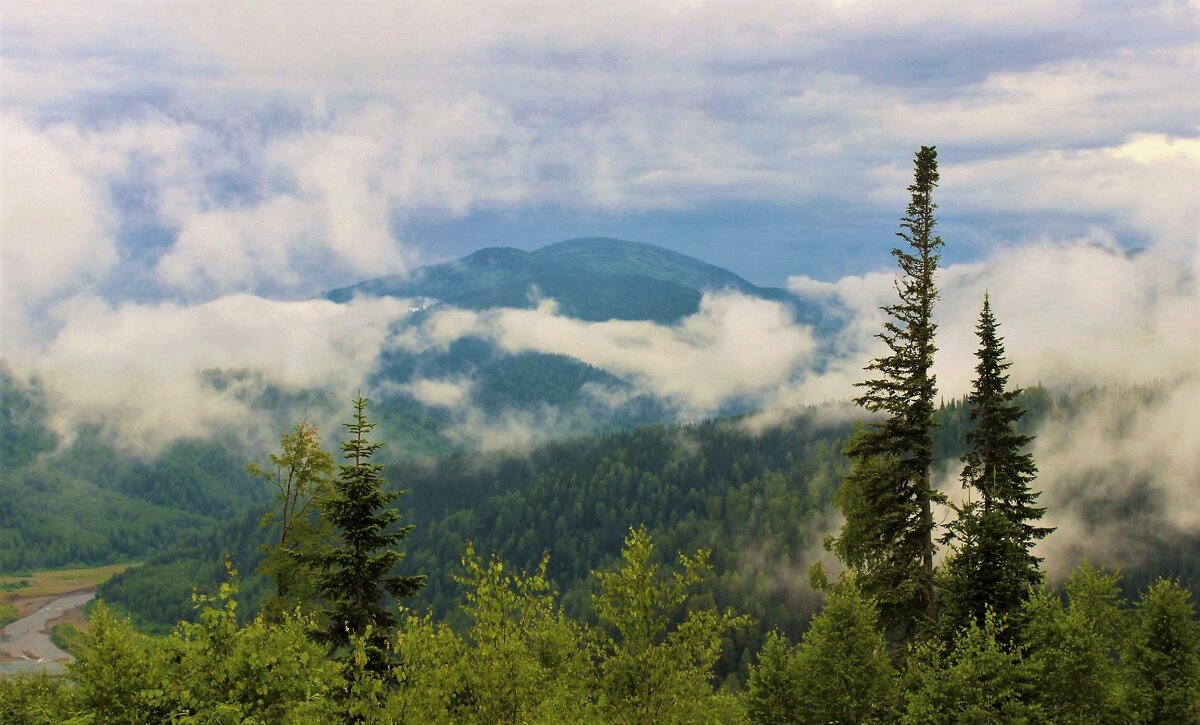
<point>1089,656</point>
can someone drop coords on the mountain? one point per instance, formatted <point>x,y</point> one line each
<point>593,278</point>
<point>84,501</point>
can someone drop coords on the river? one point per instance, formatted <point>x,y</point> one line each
<point>26,647</point>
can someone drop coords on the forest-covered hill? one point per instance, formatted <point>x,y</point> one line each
<point>590,278</point>
<point>82,497</point>
<point>759,498</point>
<point>85,498</point>
<point>593,279</point>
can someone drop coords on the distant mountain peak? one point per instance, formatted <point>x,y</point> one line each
<point>495,254</point>
<point>592,278</point>
<point>602,244</point>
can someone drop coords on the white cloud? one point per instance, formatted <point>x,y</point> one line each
<point>1072,313</point>
<point>234,249</point>
<point>55,226</point>
<point>1079,314</point>
<point>355,116</point>
<point>135,367</point>
<point>511,430</point>
<point>329,195</point>
<point>733,348</point>
<point>1148,183</point>
<point>1120,446</point>
<point>443,393</point>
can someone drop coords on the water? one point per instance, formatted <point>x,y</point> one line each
<point>24,647</point>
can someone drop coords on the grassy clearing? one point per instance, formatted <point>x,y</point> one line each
<point>55,582</point>
<point>67,637</point>
<point>21,593</point>
<point>8,613</point>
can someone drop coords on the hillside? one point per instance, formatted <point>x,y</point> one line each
<point>591,279</point>
<point>90,501</point>
<point>760,499</point>
<point>757,499</point>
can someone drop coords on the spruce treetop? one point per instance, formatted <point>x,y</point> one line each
<point>887,497</point>
<point>996,464</point>
<point>357,577</point>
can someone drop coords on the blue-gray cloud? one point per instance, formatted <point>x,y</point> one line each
<point>353,141</point>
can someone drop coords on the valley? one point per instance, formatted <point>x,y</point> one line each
<point>37,602</point>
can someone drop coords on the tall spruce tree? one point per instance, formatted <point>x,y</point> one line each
<point>996,464</point>
<point>993,565</point>
<point>356,577</point>
<point>887,497</point>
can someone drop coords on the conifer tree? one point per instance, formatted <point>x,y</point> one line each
<point>993,565</point>
<point>1165,654</point>
<point>773,695</point>
<point>995,464</point>
<point>356,577</point>
<point>888,495</point>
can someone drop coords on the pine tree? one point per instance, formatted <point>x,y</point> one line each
<point>1165,654</point>
<point>887,497</point>
<point>773,696</point>
<point>993,565</point>
<point>356,577</point>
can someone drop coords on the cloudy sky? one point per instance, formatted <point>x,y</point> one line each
<point>190,149</point>
<point>172,168</point>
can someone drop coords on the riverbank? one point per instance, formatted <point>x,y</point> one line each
<point>26,593</point>
<point>25,644</point>
<point>37,602</point>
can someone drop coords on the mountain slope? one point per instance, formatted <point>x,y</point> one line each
<point>592,278</point>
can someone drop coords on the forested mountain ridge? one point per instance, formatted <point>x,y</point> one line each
<point>591,279</point>
<point>65,496</point>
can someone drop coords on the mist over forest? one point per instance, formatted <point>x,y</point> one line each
<point>625,362</point>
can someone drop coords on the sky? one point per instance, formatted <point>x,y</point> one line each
<point>181,180</point>
<point>190,149</point>
<point>167,166</point>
